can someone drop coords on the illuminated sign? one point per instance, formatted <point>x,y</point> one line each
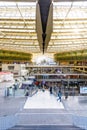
<point>83,89</point>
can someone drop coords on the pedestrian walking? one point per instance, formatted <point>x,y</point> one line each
<point>59,96</point>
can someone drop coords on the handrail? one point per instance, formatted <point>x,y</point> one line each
<point>62,74</point>
<point>80,121</point>
<point>7,121</point>
<point>57,66</point>
<point>33,91</point>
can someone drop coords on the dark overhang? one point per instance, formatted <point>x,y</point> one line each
<point>37,0</point>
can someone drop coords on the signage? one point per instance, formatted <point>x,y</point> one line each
<point>83,89</point>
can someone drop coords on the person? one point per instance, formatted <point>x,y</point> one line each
<point>51,90</point>
<point>66,95</point>
<point>59,96</point>
<point>27,91</point>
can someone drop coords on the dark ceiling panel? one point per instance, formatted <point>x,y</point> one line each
<point>36,0</point>
<point>44,10</point>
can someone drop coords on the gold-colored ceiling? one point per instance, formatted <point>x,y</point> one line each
<point>69,27</point>
<point>18,27</point>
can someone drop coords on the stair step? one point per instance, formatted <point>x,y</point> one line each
<point>44,119</point>
<point>44,127</point>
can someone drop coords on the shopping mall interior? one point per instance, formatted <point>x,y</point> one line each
<point>43,64</point>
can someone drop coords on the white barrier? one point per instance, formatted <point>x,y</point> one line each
<point>80,121</point>
<point>6,76</point>
<point>7,122</point>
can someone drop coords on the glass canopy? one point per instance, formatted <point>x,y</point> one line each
<point>69,27</point>
<point>18,27</point>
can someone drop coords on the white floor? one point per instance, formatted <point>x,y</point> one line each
<point>43,100</point>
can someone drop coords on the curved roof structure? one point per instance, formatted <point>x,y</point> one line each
<point>66,29</point>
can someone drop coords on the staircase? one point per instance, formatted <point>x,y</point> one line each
<point>44,119</point>
<point>45,127</point>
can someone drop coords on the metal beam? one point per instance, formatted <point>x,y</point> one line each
<point>52,40</point>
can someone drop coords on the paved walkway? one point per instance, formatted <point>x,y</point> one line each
<point>58,115</point>
<point>43,100</point>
